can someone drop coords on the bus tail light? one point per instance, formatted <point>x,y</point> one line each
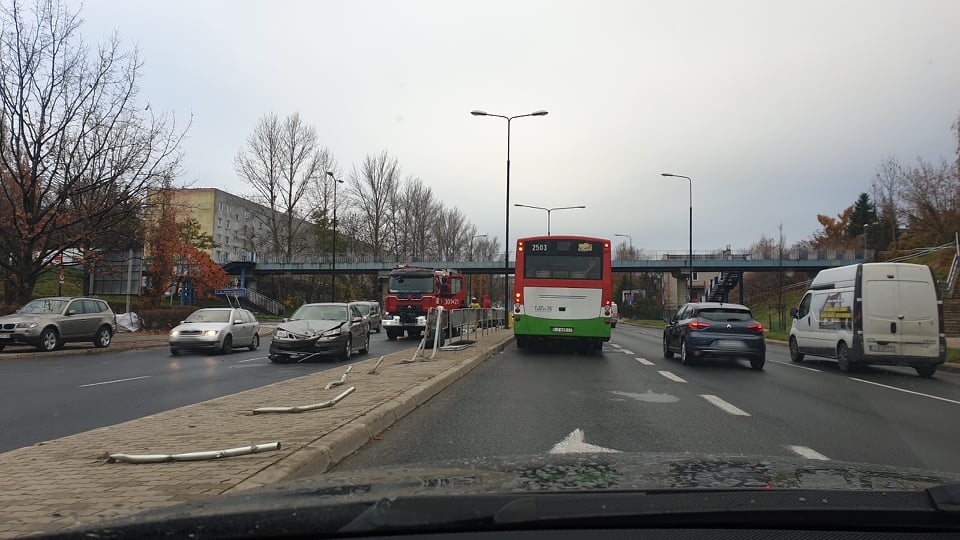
<point>517,301</point>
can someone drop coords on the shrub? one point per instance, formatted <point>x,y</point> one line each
<point>164,319</point>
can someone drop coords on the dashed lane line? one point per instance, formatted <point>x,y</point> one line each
<point>251,359</point>
<point>624,351</point>
<point>614,345</point>
<point>643,361</point>
<point>807,452</point>
<point>671,376</point>
<point>114,381</point>
<point>724,406</point>
<point>906,391</point>
<point>791,364</point>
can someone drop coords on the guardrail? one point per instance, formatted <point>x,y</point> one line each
<point>254,297</point>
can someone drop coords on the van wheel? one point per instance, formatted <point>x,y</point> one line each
<point>926,371</point>
<point>795,353</point>
<point>843,358</point>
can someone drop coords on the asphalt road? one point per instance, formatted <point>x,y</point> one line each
<point>629,398</point>
<point>46,397</point>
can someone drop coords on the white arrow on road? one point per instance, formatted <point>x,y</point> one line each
<point>574,444</point>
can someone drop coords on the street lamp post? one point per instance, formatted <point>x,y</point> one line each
<point>506,236</point>
<point>690,253</point>
<point>333,267</point>
<point>865,225</point>
<point>549,210</point>
<point>629,275</point>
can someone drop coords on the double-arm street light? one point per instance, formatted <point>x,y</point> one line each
<point>333,268</point>
<point>690,248</point>
<point>506,236</point>
<point>549,210</point>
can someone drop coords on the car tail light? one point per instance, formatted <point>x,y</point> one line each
<point>755,326</point>
<point>697,325</point>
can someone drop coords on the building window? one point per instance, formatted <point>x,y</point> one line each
<point>220,222</point>
<point>696,276</point>
<point>220,206</point>
<point>227,240</point>
<point>228,224</point>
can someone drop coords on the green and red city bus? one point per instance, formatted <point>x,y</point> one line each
<point>563,289</point>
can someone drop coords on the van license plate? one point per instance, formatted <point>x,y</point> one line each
<point>882,348</point>
<point>562,330</point>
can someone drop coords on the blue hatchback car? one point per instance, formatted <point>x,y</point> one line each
<point>714,330</point>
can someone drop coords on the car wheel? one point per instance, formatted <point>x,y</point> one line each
<point>667,353</point>
<point>275,358</point>
<point>757,363</point>
<point>795,353</point>
<point>2,346</point>
<point>613,325</point>
<point>843,358</point>
<point>174,352</point>
<point>255,343</point>
<point>926,371</point>
<point>102,339</point>
<point>379,328</point>
<point>685,358</point>
<point>366,346</point>
<point>348,350</point>
<point>227,346</point>
<point>49,340</point>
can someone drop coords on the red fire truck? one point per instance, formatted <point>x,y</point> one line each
<point>412,291</point>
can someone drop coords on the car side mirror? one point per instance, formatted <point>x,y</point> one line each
<point>285,319</point>
<point>794,314</point>
<point>71,312</point>
<point>358,319</point>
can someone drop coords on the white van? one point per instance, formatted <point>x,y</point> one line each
<point>872,313</point>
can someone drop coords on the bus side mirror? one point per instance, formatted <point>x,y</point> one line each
<point>793,313</point>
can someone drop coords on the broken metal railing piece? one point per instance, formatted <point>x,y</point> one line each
<point>343,379</point>
<point>193,456</point>
<point>376,366</point>
<point>303,408</point>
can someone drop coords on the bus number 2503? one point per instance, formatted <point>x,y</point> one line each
<point>538,247</point>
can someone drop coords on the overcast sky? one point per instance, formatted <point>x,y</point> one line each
<point>778,111</point>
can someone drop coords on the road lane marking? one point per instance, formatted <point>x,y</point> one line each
<point>791,364</point>
<point>644,361</point>
<point>724,406</point>
<point>906,391</point>
<point>115,381</point>
<point>574,444</point>
<point>671,376</point>
<point>809,453</point>
<point>624,351</point>
<point>247,366</point>
<point>252,359</point>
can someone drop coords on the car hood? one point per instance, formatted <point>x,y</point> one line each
<point>665,484</point>
<point>200,326</point>
<point>27,317</point>
<point>308,327</point>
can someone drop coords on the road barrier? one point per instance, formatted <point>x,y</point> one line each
<point>193,456</point>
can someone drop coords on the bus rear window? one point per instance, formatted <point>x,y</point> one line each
<point>544,266</point>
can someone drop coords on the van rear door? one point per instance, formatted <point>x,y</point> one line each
<point>900,312</point>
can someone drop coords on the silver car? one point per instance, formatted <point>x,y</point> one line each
<point>48,323</point>
<point>371,313</point>
<point>217,329</point>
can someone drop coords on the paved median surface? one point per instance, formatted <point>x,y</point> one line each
<point>70,481</point>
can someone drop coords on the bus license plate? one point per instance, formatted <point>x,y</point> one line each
<point>883,348</point>
<point>562,330</point>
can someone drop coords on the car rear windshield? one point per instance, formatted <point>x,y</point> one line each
<point>364,308</point>
<point>725,314</point>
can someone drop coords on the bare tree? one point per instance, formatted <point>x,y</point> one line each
<point>372,187</point>
<point>280,161</point>
<point>452,233</point>
<point>75,145</point>
<point>887,195</point>
<point>414,218</point>
<point>931,198</point>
